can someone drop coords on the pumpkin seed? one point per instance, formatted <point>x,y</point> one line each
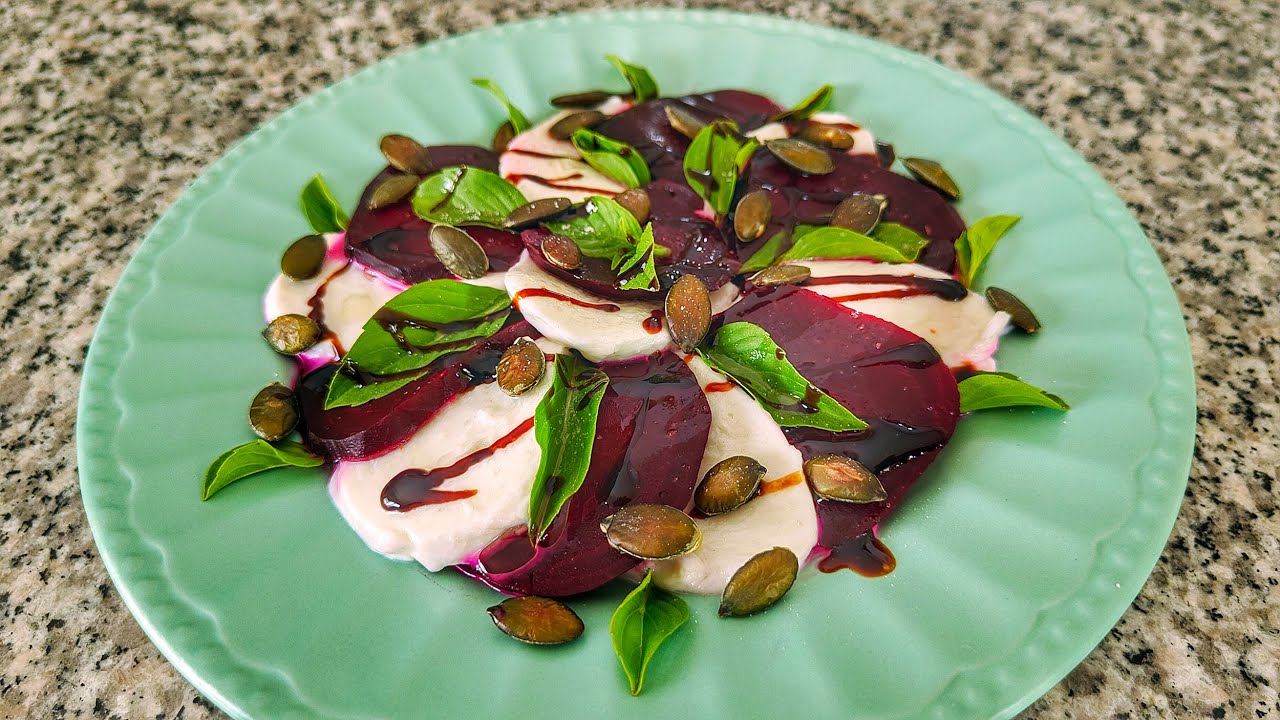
<point>684,122</point>
<point>801,156</point>
<point>460,254</point>
<point>728,484</point>
<point>537,620</point>
<point>637,202</point>
<point>882,199</point>
<point>521,367</point>
<point>859,213</point>
<point>781,275</point>
<point>759,583</point>
<point>752,216</point>
<point>931,173</point>
<point>836,477</point>
<point>567,125</point>
<point>502,137</point>
<point>586,99</point>
<point>826,136</point>
<point>291,334</point>
<point>393,190</point>
<point>303,259</point>
<point>688,310</point>
<point>562,252</point>
<point>273,413</point>
<point>532,213</point>
<point>1019,313</point>
<point>885,153</point>
<point>652,532</point>
<point>405,154</point>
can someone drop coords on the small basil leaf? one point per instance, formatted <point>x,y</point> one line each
<point>985,391</point>
<point>565,426</point>
<point>975,244</point>
<point>906,241</point>
<point>464,195</point>
<point>642,255</point>
<point>641,81</point>
<point>643,621</point>
<point>252,458</point>
<point>766,254</point>
<point>745,352</point>
<point>834,242</point>
<point>816,102</point>
<point>605,231</point>
<point>321,209</point>
<point>345,391</point>
<point>518,121</point>
<point>714,160</point>
<point>616,159</point>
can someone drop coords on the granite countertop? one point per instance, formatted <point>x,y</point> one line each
<point>107,109</point>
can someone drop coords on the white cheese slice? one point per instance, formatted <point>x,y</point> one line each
<point>864,143</point>
<point>544,166</point>
<point>782,516</point>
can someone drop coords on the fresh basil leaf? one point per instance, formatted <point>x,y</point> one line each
<point>252,458</point>
<point>906,241</point>
<point>518,121</point>
<point>816,102</point>
<point>975,244</point>
<point>642,255</point>
<point>607,230</point>
<point>345,391</point>
<point>643,86</point>
<point>834,242</point>
<point>321,209</point>
<point>985,391</point>
<point>565,426</point>
<point>616,159</point>
<point>766,255</point>
<point>714,160</point>
<point>745,352</point>
<point>645,619</point>
<point>464,195</point>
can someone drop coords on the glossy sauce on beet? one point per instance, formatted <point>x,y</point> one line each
<point>316,303</point>
<point>863,554</point>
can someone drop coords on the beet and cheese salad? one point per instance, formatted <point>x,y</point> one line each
<point>692,343</point>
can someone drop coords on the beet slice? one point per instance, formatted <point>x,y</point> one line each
<point>887,376</point>
<point>650,436</point>
<point>379,426</point>
<point>395,242</point>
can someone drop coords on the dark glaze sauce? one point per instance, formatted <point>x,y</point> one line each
<point>863,554</point>
<point>723,386</point>
<point>560,183</point>
<point>397,324</point>
<point>912,286</point>
<point>543,292</point>
<point>414,488</point>
<point>653,323</point>
<point>317,310</point>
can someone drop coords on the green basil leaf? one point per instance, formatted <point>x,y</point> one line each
<point>641,81</point>
<point>906,241</point>
<point>766,255</point>
<point>745,352</point>
<point>642,255</point>
<point>252,458</point>
<point>518,121</point>
<point>985,391</point>
<point>607,230</point>
<point>645,619</point>
<point>321,209</point>
<point>345,391</point>
<point>616,159</point>
<point>975,244</point>
<point>714,160</point>
<point>816,102</point>
<point>565,426</point>
<point>834,242</point>
<point>464,195</point>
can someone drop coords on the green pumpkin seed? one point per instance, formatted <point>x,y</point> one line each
<point>537,620</point>
<point>836,477</point>
<point>291,334</point>
<point>562,252</point>
<point>751,217</point>
<point>460,254</point>
<point>393,190</point>
<point>586,99</point>
<point>781,275</point>
<point>303,259</point>
<point>1019,313</point>
<point>405,154</point>
<point>728,484</point>
<point>931,173</point>
<point>652,532</point>
<point>684,122</point>
<point>521,367</point>
<point>859,213</point>
<point>502,137</point>
<point>801,156</point>
<point>636,201</point>
<point>826,136</point>
<point>535,212</point>
<point>759,583</point>
<point>273,413</point>
<point>569,124</point>
<point>688,310</point>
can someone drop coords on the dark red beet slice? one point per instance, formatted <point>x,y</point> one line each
<point>379,426</point>
<point>650,436</point>
<point>887,376</point>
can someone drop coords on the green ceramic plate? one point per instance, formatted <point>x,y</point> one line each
<point>1015,556</point>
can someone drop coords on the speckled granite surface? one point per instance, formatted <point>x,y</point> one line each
<point>108,108</point>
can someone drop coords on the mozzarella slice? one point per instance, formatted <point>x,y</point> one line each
<point>964,332</point>
<point>541,165</point>
<point>451,532</point>
<point>782,516</point>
